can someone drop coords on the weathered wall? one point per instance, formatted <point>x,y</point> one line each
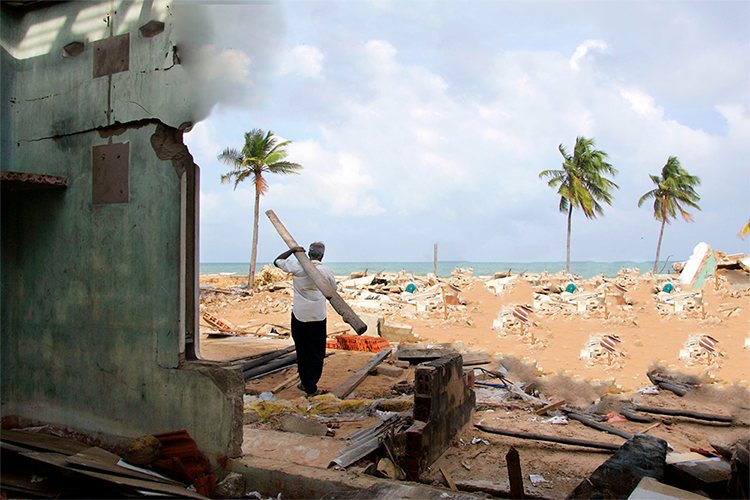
<point>98,281</point>
<point>6,90</point>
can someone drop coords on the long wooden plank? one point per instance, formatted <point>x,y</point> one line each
<point>684,413</point>
<point>552,439</point>
<point>515,477</point>
<point>334,298</point>
<point>599,426</point>
<point>60,460</point>
<point>43,441</point>
<point>102,460</point>
<point>347,387</point>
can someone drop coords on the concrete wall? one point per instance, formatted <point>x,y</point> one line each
<point>99,281</point>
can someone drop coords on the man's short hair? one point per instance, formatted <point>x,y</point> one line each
<point>316,251</point>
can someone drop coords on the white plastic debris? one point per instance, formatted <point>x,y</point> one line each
<point>560,419</point>
<point>477,440</point>
<point>267,396</point>
<point>649,390</point>
<point>537,478</point>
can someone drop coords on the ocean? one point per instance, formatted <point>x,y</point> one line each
<point>585,270</point>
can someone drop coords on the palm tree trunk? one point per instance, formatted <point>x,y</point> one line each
<point>658,246</point>
<point>254,255</point>
<point>570,214</point>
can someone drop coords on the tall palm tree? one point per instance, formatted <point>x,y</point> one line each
<point>262,153</point>
<point>674,188</point>
<point>744,231</point>
<point>581,182</point>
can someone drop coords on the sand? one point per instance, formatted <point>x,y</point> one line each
<point>548,353</point>
<point>647,337</point>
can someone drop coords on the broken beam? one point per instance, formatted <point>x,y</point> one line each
<point>347,387</point>
<point>552,439</point>
<point>684,413</point>
<point>334,298</point>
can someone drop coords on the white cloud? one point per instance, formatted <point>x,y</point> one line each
<point>583,49</point>
<point>642,103</point>
<point>305,61</point>
<point>401,140</point>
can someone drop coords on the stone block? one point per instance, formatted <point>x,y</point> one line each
<point>373,322</point>
<point>397,332</point>
<point>303,425</point>
<point>389,371</point>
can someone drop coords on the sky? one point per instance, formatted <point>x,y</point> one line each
<point>428,122</point>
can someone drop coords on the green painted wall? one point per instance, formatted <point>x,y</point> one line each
<point>91,310</point>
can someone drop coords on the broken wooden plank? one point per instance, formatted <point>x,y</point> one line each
<point>270,366</point>
<point>599,426</point>
<point>553,439</point>
<point>43,441</point>
<point>287,381</point>
<point>448,479</point>
<point>347,387</point>
<point>104,461</point>
<point>550,407</point>
<point>266,358</point>
<point>684,413</point>
<point>515,477</point>
<point>630,414</point>
<point>341,307</point>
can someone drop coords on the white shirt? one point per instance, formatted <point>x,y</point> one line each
<point>309,301</point>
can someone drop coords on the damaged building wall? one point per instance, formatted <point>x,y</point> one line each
<point>99,276</point>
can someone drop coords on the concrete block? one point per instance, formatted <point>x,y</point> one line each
<point>389,371</point>
<point>651,489</point>
<point>397,332</point>
<point>373,322</point>
<point>641,456</point>
<point>710,475</point>
<point>303,425</point>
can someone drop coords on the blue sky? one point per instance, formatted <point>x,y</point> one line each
<point>424,122</point>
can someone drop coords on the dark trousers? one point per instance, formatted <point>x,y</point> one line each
<point>310,343</point>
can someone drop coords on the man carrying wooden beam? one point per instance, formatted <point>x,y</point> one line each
<point>308,314</point>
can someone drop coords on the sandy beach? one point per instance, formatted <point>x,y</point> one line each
<point>548,353</point>
<point>551,342</point>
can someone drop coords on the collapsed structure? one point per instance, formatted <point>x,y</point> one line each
<point>100,229</point>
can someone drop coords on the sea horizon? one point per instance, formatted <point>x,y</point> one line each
<point>584,269</point>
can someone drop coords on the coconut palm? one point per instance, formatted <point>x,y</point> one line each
<point>262,153</point>
<point>675,188</point>
<point>581,182</point>
<point>744,231</point>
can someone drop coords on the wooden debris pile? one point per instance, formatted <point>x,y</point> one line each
<point>37,463</point>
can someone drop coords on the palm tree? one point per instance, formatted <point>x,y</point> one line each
<point>582,182</point>
<point>674,188</point>
<point>744,231</point>
<point>261,153</point>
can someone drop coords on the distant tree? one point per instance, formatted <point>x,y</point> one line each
<point>675,188</point>
<point>581,182</point>
<point>262,153</point>
<point>744,231</point>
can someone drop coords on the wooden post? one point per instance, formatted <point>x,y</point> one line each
<point>334,298</point>
<point>606,311</point>
<point>515,477</point>
<point>435,261</point>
